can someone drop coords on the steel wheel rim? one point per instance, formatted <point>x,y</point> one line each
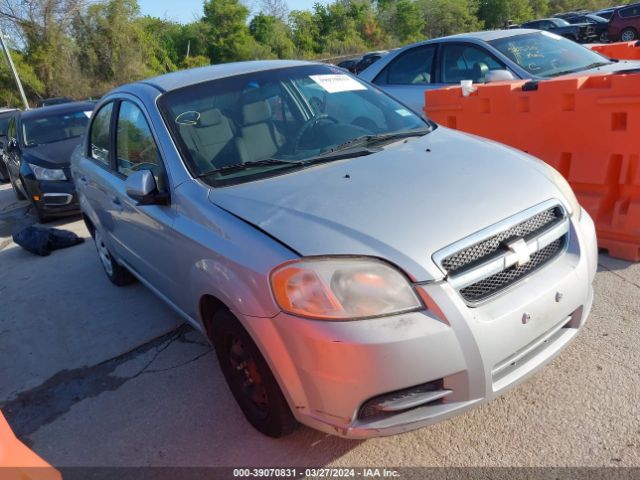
<point>103,253</point>
<point>247,377</point>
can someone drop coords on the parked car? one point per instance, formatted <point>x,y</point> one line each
<point>600,25</point>
<point>607,13</point>
<point>367,60</point>
<point>581,32</point>
<point>625,24</point>
<point>358,268</point>
<point>47,102</point>
<point>5,115</point>
<point>38,153</point>
<point>484,57</point>
<point>349,65</point>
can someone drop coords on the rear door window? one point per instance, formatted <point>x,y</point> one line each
<point>413,67</point>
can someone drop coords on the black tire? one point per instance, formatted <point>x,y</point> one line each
<point>254,386</point>
<point>630,33</point>
<point>118,274</point>
<point>4,174</point>
<point>40,215</point>
<point>19,194</point>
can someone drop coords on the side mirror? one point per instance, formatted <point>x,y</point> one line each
<point>498,76</point>
<point>141,186</point>
<point>12,144</point>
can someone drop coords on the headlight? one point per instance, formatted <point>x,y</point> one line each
<point>567,193</point>
<point>42,173</point>
<point>342,289</point>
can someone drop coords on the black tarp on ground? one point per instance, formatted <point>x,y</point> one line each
<point>43,240</point>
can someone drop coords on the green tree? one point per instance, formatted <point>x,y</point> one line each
<point>228,35</point>
<point>448,17</point>
<point>496,13</point>
<point>304,32</point>
<point>113,47</point>
<point>272,32</point>
<point>407,21</point>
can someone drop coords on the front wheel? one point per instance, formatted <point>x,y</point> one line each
<point>16,190</point>
<point>118,274</point>
<point>249,378</point>
<point>628,35</point>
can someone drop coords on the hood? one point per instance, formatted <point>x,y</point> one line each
<point>401,204</point>
<point>615,67</point>
<point>51,155</point>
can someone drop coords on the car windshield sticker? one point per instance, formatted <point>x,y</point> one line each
<point>337,83</point>
<point>551,35</point>
<point>403,112</point>
<point>88,113</point>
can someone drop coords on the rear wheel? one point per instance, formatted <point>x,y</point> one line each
<point>118,274</point>
<point>628,35</point>
<point>249,377</point>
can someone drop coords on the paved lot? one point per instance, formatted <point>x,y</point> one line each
<point>95,375</point>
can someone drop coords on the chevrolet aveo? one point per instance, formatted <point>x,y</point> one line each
<point>358,269</point>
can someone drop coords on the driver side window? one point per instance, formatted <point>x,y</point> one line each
<point>135,146</point>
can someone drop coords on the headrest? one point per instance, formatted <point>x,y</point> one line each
<point>256,112</point>
<point>208,118</point>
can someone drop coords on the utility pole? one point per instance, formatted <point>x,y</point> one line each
<point>13,70</point>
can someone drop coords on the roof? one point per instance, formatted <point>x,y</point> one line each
<point>183,78</point>
<point>489,35</point>
<point>58,109</point>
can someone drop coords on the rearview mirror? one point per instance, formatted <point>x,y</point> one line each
<point>498,76</point>
<point>141,186</point>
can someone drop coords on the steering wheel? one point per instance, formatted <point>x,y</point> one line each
<point>311,123</point>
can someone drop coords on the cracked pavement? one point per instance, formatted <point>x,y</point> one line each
<point>96,375</point>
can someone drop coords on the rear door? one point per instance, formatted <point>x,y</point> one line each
<point>408,76</point>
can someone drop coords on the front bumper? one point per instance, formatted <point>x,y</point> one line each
<point>53,198</point>
<point>328,370</point>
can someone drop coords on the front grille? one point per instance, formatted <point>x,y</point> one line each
<point>479,251</point>
<point>489,286</point>
<point>487,264</point>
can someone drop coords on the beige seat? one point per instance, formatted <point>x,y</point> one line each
<point>210,140</point>
<point>259,138</point>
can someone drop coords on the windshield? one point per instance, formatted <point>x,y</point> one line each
<point>545,54</point>
<point>54,128</point>
<point>249,126</point>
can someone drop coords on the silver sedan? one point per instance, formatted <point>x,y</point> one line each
<point>484,57</point>
<point>358,269</point>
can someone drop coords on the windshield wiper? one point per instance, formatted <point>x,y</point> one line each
<point>246,165</point>
<point>575,70</point>
<point>380,138</point>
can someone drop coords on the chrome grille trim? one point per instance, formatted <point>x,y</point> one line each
<point>506,260</point>
<point>480,266</point>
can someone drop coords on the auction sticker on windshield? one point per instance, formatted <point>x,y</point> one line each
<point>337,83</point>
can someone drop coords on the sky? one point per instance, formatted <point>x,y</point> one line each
<point>185,11</point>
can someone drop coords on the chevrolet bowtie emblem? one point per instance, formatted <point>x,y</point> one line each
<point>521,250</point>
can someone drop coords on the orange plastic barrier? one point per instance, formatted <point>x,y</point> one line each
<point>621,50</point>
<point>588,128</point>
<point>17,462</point>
